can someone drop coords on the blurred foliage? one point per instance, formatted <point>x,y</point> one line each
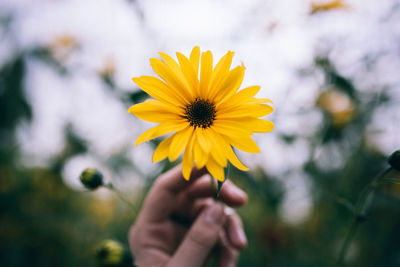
<point>43,222</point>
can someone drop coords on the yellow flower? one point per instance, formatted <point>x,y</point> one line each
<point>112,253</point>
<point>207,116</point>
<point>62,47</point>
<point>108,69</point>
<point>326,6</point>
<point>338,106</point>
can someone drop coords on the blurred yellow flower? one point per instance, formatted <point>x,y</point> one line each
<point>327,6</point>
<point>338,106</point>
<point>62,46</point>
<point>109,68</point>
<point>207,116</point>
<point>101,211</point>
<point>112,253</point>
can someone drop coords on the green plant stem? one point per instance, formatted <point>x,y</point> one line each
<point>116,192</point>
<point>359,214</point>
<point>391,180</point>
<point>213,188</point>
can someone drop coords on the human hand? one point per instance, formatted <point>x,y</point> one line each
<point>180,223</point>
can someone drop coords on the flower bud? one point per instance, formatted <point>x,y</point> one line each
<point>394,160</point>
<point>112,253</point>
<point>91,178</point>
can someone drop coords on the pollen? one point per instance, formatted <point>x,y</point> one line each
<point>200,113</point>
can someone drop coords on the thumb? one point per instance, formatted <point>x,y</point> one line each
<point>201,238</point>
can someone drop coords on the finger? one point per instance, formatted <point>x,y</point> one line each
<point>201,190</point>
<point>230,194</point>
<point>227,255</point>
<point>234,229</point>
<point>162,197</point>
<point>235,234</point>
<point>200,239</point>
<point>187,211</point>
<point>143,255</point>
<point>173,180</point>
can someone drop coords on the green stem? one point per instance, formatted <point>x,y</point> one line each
<point>349,237</point>
<point>391,180</point>
<point>359,214</point>
<point>213,188</point>
<point>116,192</point>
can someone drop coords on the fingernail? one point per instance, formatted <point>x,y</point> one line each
<point>238,192</point>
<point>214,214</point>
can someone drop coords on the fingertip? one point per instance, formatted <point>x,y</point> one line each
<point>174,180</point>
<point>233,195</point>
<point>235,231</point>
<point>238,193</point>
<point>228,255</point>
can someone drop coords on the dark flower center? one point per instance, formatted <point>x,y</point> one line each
<point>200,113</point>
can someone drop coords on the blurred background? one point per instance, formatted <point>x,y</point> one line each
<point>331,68</point>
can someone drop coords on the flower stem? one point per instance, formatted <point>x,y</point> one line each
<point>214,188</point>
<point>361,207</point>
<point>111,187</point>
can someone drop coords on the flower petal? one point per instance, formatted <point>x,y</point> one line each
<point>155,111</point>
<point>247,110</point>
<point>163,128</point>
<point>187,166</point>
<point>248,92</point>
<point>187,162</point>
<point>252,124</point>
<point>158,89</point>
<point>220,71</point>
<point>227,151</point>
<point>200,156</point>
<point>170,77</point>
<point>219,149</point>
<point>241,97</point>
<point>162,150</point>
<point>179,141</point>
<point>205,73</point>
<point>260,100</point>
<point>259,125</point>
<point>215,170</point>
<point>245,144</point>
<point>189,72</point>
<point>195,59</point>
<point>231,84</point>
<point>230,130</point>
<point>235,161</point>
<point>173,65</point>
<point>203,140</point>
